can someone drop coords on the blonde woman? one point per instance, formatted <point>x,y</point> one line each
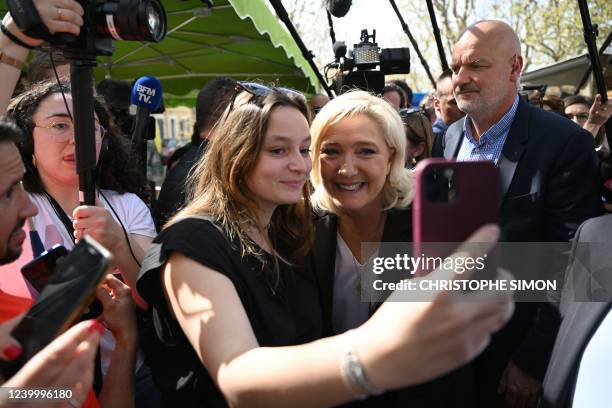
<point>362,195</point>
<point>240,321</point>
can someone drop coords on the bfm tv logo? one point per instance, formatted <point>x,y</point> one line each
<point>145,93</point>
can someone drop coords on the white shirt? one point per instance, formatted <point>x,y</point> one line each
<point>136,219</point>
<point>594,381</point>
<point>134,214</point>
<point>349,311</point>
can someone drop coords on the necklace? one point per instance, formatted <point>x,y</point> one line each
<point>371,252</point>
<point>359,268</point>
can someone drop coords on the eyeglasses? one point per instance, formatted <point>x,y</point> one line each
<point>421,132</point>
<point>261,90</point>
<point>580,117</point>
<point>406,112</point>
<point>62,130</point>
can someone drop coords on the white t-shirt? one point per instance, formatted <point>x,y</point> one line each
<point>134,214</point>
<point>136,219</point>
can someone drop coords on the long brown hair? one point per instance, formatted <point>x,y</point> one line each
<point>217,185</point>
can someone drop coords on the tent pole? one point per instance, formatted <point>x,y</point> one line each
<point>413,42</point>
<point>589,69</point>
<point>590,37</point>
<point>282,14</point>
<point>436,33</point>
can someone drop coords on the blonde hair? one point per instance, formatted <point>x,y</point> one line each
<point>398,191</point>
<point>217,185</point>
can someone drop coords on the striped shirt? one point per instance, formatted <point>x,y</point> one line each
<point>490,145</point>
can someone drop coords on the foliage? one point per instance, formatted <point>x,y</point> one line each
<point>550,30</point>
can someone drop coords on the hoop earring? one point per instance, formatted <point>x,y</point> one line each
<point>34,161</point>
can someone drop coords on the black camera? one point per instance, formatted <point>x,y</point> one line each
<point>104,21</point>
<point>358,70</point>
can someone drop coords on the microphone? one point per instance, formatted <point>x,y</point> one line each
<point>339,48</point>
<point>147,97</point>
<point>338,8</point>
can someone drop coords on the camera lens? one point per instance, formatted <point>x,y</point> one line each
<point>156,18</point>
<point>133,20</point>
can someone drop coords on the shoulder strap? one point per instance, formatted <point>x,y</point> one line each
<point>61,214</point>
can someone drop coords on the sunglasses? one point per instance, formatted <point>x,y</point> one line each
<point>261,90</point>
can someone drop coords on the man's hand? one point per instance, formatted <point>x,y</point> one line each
<point>600,112</point>
<point>520,388</point>
<point>598,115</point>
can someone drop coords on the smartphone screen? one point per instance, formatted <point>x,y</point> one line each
<point>62,300</point>
<point>40,270</point>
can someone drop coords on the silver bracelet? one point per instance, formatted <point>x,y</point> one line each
<point>355,375</point>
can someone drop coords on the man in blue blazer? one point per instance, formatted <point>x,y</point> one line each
<point>549,186</point>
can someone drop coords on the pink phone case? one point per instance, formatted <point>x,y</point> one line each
<point>475,202</point>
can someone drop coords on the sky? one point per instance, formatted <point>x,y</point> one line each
<point>368,14</point>
<point>372,14</point>
<point>379,15</point>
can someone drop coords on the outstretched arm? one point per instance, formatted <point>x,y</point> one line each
<point>399,346</point>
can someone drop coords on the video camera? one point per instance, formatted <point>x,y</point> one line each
<point>358,70</point>
<point>104,21</point>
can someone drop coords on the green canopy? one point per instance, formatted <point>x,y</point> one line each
<point>242,39</point>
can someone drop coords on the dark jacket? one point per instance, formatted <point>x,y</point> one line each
<point>398,228</point>
<point>450,390</point>
<point>549,185</point>
<point>172,193</point>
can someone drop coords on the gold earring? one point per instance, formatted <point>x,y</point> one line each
<point>33,160</point>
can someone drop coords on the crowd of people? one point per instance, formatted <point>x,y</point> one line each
<point>244,285</point>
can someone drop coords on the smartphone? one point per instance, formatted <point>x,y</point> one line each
<point>63,300</point>
<point>452,200</point>
<point>41,269</point>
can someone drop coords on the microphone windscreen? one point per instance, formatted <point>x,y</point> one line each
<point>339,48</point>
<point>147,93</point>
<point>338,8</point>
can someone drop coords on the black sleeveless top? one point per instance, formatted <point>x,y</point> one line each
<point>281,313</point>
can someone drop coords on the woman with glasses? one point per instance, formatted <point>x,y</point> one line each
<point>238,318</point>
<point>120,220</point>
